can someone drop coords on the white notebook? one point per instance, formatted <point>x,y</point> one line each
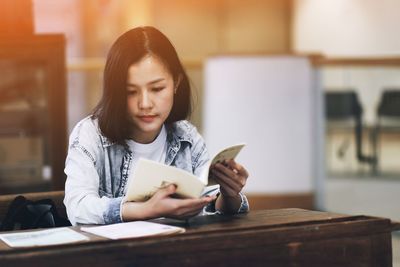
<point>132,230</point>
<point>54,236</point>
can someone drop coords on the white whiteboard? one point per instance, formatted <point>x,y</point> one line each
<point>266,102</point>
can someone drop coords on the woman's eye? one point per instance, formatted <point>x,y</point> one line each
<point>132,92</point>
<point>158,89</point>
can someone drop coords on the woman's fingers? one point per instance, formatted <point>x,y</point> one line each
<point>165,191</point>
<point>231,176</point>
<point>185,208</point>
<point>224,169</point>
<point>226,182</point>
<point>228,176</point>
<point>191,202</point>
<point>187,205</point>
<point>167,206</point>
<point>238,168</point>
<point>227,189</point>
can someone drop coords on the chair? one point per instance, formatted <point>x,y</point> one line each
<point>388,117</point>
<point>345,106</point>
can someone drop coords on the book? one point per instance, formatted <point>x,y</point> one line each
<point>150,176</point>
<point>132,230</point>
<point>47,237</point>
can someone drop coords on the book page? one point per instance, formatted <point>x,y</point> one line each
<point>225,154</point>
<point>48,237</point>
<point>132,229</point>
<point>150,176</point>
<point>210,190</point>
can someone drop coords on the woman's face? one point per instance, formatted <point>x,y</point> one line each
<point>150,95</point>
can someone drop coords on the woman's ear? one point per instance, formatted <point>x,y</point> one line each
<point>177,83</point>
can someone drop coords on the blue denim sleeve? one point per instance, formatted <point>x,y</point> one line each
<point>244,206</point>
<point>113,213</point>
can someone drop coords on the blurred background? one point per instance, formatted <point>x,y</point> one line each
<point>312,87</point>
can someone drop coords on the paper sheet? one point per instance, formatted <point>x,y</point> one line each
<point>132,229</point>
<point>54,236</point>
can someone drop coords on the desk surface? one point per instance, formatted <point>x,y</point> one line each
<point>282,237</point>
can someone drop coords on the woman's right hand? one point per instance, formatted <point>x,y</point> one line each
<point>161,204</point>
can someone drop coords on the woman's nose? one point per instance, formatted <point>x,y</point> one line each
<point>145,101</point>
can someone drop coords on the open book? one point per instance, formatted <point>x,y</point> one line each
<point>149,176</point>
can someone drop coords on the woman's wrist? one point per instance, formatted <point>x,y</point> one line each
<point>228,204</point>
<point>134,211</point>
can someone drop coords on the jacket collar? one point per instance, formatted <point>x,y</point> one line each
<point>177,132</point>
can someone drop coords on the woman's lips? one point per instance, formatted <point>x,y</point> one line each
<point>147,118</point>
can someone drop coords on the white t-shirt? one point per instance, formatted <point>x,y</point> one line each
<point>156,150</point>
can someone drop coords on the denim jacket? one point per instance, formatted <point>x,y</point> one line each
<point>97,170</point>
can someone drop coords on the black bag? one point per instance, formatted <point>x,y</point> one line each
<point>27,214</point>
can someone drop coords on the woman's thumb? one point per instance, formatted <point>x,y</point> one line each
<point>167,190</point>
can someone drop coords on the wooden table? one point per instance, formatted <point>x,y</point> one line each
<point>282,237</point>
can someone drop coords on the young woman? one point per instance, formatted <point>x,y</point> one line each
<point>146,99</point>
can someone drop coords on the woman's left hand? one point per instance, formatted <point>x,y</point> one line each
<point>231,177</point>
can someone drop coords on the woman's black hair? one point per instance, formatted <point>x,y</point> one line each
<point>130,48</point>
